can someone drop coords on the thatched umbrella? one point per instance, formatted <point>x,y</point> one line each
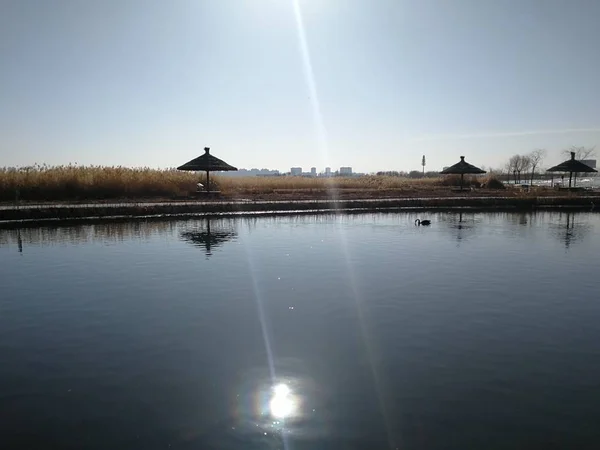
<point>461,168</point>
<point>206,163</point>
<point>572,166</point>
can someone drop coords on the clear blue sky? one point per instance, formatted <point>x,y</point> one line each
<point>148,82</point>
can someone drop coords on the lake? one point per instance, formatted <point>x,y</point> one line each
<point>357,331</point>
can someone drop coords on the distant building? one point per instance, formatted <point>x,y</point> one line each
<point>296,171</point>
<point>327,171</point>
<point>589,162</point>
<point>345,171</point>
<point>313,171</point>
<point>251,173</point>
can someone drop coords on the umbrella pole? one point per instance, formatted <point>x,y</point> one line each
<point>207,182</point>
<point>570,177</point>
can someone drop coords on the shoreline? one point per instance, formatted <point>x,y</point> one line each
<point>58,213</point>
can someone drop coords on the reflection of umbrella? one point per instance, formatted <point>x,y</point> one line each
<point>208,238</point>
<point>19,241</point>
<point>461,168</point>
<point>569,234</point>
<point>572,166</point>
<point>461,228</point>
<point>206,163</point>
<point>523,219</point>
<point>572,231</point>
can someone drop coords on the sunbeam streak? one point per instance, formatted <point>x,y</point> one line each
<point>311,86</point>
<point>366,335</point>
<point>332,191</point>
<point>281,406</point>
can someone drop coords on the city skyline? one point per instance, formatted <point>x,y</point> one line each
<point>548,161</point>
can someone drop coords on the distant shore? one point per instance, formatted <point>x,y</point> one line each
<point>57,211</point>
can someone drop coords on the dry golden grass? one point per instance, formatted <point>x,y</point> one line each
<point>92,182</point>
<point>56,183</point>
<point>267,185</point>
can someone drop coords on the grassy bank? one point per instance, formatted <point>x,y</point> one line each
<point>76,183</point>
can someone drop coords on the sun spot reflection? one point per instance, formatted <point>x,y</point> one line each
<point>282,404</point>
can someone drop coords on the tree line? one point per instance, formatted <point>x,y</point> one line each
<point>523,167</point>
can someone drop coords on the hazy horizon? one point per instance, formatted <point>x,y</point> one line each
<point>282,83</point>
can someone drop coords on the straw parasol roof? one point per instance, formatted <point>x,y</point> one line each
<point>572,166</point>
<point>461,168</point>
<point>206,163</point>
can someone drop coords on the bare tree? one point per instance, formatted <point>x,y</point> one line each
<point>514,166</point>
<point>518,164</point>
<point>508,168</point>
<point>524,166</point>
<point>580,152</point>
<point>536,157</point>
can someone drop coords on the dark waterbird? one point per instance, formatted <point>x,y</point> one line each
<point>422,222</point>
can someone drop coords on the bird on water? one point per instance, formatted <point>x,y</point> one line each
<point>422,222</point>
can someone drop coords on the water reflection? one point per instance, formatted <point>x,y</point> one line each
<point>286,402</point>
<point>206,233</point>
<point>105,232</point>
<point>211,233</point>
<point>570,229</point>
<point>207,238</point>
<point>523,218</point>
<point>461,228</point>
<point>276,404</point>
<point>460,225</point>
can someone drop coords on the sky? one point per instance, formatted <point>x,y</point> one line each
<point>273,84</point>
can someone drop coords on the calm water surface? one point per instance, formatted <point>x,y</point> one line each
<point>306,332</point>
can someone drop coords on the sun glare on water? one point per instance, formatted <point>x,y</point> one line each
<point>282,403</point>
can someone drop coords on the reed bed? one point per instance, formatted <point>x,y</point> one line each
<point>275,185</point>
<point>72,182</point>
<point>91,183</point>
